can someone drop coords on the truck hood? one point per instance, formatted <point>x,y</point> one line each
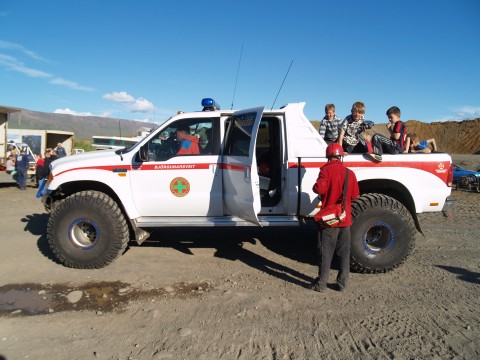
<point>88,160</point>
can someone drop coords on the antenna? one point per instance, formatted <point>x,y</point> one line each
<point>120,132</point>
<point>282,85</point>
<point>236,79</point>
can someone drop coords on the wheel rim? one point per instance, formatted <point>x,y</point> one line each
<point>84,233</point>
<point>378,238</point>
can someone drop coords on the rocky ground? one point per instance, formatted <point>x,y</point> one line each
<point>223,294</point>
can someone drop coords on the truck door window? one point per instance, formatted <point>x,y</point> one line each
<point>239,135</point>
<point>198,134</point>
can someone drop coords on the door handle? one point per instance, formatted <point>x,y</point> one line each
<point>247,174</point>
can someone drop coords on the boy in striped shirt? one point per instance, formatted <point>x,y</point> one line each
<point>330,124</point>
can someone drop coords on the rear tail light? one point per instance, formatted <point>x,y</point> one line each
<point>450,176</point>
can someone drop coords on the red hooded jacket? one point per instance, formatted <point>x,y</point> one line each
<point>329,186</point>
<point>189,146</point>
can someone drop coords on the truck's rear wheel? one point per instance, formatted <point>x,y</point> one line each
<point>383,234</point>
<point>87,230</point>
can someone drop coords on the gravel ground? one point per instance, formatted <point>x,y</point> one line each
<point>224,294</point>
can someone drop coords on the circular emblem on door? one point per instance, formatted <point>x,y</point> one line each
<point>179,187</point>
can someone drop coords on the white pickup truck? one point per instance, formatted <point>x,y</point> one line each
<point>255,167</point>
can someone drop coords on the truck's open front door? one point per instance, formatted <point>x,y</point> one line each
<point>241,191</point>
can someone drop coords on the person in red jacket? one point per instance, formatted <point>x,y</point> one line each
<point>334,240</point>
<point>188,143</point>
<point>39,168</point>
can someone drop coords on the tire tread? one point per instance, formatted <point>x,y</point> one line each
<point>372,200</point>
<point>91,199</point>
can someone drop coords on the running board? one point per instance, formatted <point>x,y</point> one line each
<point>152,222</point>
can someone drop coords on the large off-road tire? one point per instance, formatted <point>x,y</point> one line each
<point>87,230</point>
<point>383,234</point>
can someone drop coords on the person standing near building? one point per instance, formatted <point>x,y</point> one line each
<point>21,165</point>
<point>334,240</point>
<point>60,150</point>
<point>50,156</point>
<point>330,124</point>
<point>10,165</point>
<point>39,168</point>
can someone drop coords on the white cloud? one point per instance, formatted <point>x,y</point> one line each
<point>120,96</point>
<point>466,112</point>
<point>70,84</point>
<point>105,114</point>
<point>14,64</point>
<point>68,111</point>
<point>21,48</point>
<point>142,105</point>
<point>132,104</point>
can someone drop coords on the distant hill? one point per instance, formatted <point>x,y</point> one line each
<point>454,137</point>
<point>84,127</point>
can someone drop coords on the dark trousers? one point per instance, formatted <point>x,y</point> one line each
<point>383,144</point>
<point>333,241</point>
<point>22,178</point>
<point>360,148</point>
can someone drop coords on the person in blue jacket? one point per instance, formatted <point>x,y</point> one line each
<point>60,150</point>
<point>21,166</point>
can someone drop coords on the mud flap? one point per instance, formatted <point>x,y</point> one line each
<point>447,210</point>
<point>141,235</point>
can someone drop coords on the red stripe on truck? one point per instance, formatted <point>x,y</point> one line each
<point>439,168</point>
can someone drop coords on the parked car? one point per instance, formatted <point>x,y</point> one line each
<point>466,179</point>
<point>458,172</point>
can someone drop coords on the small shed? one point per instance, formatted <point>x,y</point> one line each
<point>5,112</point>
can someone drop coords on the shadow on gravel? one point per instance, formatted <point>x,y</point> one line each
<point>7,185</point>
<point>297,243</point>
<point>463,274</point>
<point>36,224</point>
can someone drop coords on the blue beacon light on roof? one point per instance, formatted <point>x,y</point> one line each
<point>210,105</point>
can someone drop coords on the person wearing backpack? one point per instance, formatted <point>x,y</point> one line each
<point>398,134</point>
<point>335,187</point>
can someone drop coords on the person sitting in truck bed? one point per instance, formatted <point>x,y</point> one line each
<point>350,131</point>
<point>396,143</point>
<point>414,145</point>
<point>330,124</point>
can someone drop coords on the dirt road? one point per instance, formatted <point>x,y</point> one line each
<point>236,294</point>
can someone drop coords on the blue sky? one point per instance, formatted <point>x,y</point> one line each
<point>145,60</point>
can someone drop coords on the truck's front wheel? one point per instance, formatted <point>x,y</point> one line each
<point>87,230</point>
<point>383,234</point>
